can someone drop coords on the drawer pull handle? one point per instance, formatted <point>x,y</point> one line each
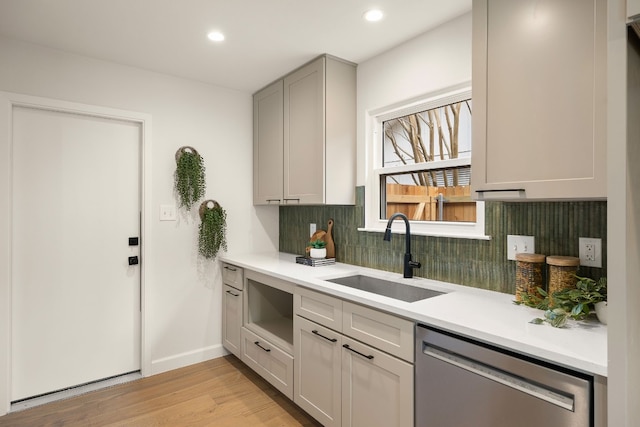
<point>501,190</point>
<point>370,356</point>
<point>265,349</point>
<point>231,293</point>
<point>322,336</point>
<point>230,268</point>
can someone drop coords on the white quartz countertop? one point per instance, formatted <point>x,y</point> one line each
<point>487,316</point>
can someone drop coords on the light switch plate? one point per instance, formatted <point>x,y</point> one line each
<point>167,212</point>
<point>519,244</point>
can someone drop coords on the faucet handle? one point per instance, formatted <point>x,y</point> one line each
<point>414,264</point>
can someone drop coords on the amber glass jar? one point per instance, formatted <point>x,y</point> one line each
<point>562,272</point>
<point>529,274</point>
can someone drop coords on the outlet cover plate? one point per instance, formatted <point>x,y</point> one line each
<point>519,244</point>
<point>590,252</point>
<point>167,212</point>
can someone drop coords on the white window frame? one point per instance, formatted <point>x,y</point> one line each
<point>373,143</point>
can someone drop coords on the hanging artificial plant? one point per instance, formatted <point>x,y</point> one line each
<point>213,229</point>
<point>189,177</point>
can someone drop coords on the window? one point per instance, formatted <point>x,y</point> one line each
<point>420,165</point>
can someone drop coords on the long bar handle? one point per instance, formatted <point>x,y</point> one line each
<point>501,377</point>
<point>322,336</point>
<point>265,349</point>
<point>369,356</point>
<point>498,190</point>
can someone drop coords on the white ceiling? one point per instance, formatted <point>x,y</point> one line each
<point>265,39</point>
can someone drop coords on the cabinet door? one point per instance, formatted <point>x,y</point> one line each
<point>539,98</point>
<point>317,373</point>
<point>267,145</point>
<point>271,363</point>
<point>377,389</point>
<point>232,319</point>
<point>304,134</point>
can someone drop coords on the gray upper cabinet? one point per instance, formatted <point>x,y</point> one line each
<point>539,93</point>
<point>633,9</point>
<point>267,145</point>
<point>317,151</point>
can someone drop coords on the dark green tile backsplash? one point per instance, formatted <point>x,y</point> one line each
<point>478,263</point>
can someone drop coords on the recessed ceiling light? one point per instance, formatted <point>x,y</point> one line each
<point>215,36</point>
<point>373,15</point>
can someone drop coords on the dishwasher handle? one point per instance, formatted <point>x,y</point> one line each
<point>501,377</point>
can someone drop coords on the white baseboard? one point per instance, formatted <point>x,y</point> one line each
<point>188,358</point>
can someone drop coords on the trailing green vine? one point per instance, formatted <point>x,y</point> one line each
<point>189,178</point>
<point>213,229</point>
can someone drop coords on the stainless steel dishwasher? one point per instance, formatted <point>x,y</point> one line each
<point>463,383</point>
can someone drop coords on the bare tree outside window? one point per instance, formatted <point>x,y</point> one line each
<point>432,138</point>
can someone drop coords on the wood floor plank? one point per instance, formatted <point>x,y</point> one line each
<point>220,392</point>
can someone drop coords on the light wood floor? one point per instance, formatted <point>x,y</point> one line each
<point>221,392</point>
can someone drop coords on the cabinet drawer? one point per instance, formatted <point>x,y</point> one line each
<point>381,330</point>
<point>320,308</point>
<point>232,275</point>
<point>271,363</point>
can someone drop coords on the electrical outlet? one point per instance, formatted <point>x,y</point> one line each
<point>519,244</point>
<point>590,252</point>
<point>312,229</point>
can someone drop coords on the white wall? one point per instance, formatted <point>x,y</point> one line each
<point>183,293</point>
<point>433,61</point>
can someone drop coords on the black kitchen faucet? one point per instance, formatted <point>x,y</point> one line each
<point>408,264</point>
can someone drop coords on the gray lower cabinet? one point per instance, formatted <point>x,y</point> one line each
<point>267,329</point>
<point>345,364</point>
<point>272,363</point>
<point>231,319</point>
<point>342,381</point>
<point>377,389</point>
<point>232,302</point>
<point>318,377</point>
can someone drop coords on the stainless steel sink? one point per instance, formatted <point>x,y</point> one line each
<point>386,288</point>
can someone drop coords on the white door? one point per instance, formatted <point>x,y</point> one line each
<point>75,203</point>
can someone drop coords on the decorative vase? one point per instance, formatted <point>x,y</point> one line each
<point>601,311</point>
<point>318,253</point>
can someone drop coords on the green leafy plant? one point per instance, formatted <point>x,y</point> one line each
<point>318,244</point>
<point>189,177</point>
<point>213,230</point>
<point>580,302</point>
<point>576,303</point>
